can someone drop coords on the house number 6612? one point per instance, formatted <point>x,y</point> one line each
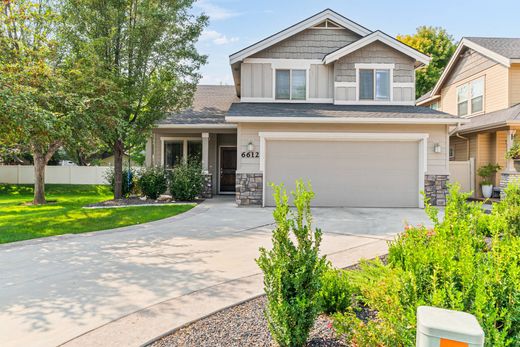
<point>250,155</point>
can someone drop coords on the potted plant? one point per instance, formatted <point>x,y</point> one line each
<point>485,172</point>
<point>514,153</point>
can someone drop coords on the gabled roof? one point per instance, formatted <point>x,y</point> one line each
<point>504,51</point>
<point>210,105</point>
<point>296,28</point>
<point>508,47</point>
<point>373,37</point>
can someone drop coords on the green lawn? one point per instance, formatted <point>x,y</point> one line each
<point>19,221</point>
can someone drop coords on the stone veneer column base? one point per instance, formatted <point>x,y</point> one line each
<point>249,188</point>
<point>207,189</point>
<point>506,178</point>
<point>436,189</point>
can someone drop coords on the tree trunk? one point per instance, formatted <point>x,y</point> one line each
<point>39,179</point>
<point>118,169</point>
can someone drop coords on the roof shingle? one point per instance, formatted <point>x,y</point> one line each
<point>246,109</point>
<point>507,47</point>
<point>210,105</point>
<point>492,119</point>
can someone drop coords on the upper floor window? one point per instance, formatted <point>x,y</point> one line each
<point>374,84</point>
<point>291,84</point>
<point>470,97</point>
<point>435,106</point>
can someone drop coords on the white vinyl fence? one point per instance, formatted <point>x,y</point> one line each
<point>463,172</point>
<point>24,174</point>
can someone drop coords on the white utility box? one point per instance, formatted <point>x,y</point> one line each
<point>437,327</point>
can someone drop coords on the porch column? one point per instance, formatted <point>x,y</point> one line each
<point>510,140</point>
<point>205,152</point>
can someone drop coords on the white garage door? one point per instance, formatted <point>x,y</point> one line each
<point>347,173</point>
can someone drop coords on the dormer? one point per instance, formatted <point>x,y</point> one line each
<point>327,58</point>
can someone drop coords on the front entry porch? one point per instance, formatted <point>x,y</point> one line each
<point>214,147</point>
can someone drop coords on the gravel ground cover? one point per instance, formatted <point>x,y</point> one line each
<point>245,325</point>
<point>242,325</point>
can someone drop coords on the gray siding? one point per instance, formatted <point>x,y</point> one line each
<point>256,81</point>
<point>470,64</point>
<point>377,52</point>
<point>321,82</point>
<point>309,44</point>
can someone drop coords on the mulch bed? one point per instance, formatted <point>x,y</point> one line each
<point>245,325</point>
<point>132,201</point>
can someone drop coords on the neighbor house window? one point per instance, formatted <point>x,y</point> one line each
<point>291,84</point>
<point>374,84</point>
<point>470,97</point>
<point>435,106</point>
<point>177,150</point>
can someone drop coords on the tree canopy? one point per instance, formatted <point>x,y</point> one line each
<point>144,50</point>
<point>39,110</point>
<point>436,43</point>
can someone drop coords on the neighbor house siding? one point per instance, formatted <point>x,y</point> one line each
<point>376,53</point>
<point>248,132</point>
<point>256,80</point>
<point>460,147</point>
<point>500,150</point>
<point>321,82</point>
<point>514,84</point>
<point>495,90</point>
<point>470,64</point>
<point>309,44</point>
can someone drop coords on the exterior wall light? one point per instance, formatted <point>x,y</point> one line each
<point>437,148</point>
<point>250,146</point>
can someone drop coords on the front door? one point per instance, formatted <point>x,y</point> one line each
<point>228,169</point>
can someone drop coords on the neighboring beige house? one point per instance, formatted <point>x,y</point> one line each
<point>482,84</point>
<point>325,100</point>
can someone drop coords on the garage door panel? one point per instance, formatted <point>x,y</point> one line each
<point>347,173</point>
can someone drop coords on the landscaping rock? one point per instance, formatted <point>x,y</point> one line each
<point>243,325</point>
<point>164,198</point>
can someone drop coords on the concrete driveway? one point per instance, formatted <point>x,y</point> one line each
<point>126,286</point>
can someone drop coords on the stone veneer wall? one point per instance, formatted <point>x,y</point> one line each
<point>249,189</point>
<point>436,189</point>
<point>507,177</point>
<point>207,189</point>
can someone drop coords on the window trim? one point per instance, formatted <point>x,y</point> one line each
<point>470,97</point>
<point>306,70</point>
<point>184,141</point>
<point>364,66</point>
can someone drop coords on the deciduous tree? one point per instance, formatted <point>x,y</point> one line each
<point>436,43</point>
<point>146,49</point>
<point>38,107</point>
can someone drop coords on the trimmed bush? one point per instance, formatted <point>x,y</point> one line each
<point>292,270</point>
<point>128,182</point>
<point>187,180</point>
<point>449,266</point>
<point>336,291</point>
<point>153,182</point>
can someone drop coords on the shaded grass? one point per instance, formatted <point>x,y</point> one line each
<point>19,221</point>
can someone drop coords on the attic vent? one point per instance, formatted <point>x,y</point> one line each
<point>327,24</point>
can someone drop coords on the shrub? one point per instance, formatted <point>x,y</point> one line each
<point>486,171</point>
<point>153,182</point>
<point>448,266</point>
<point>506,213</point>
<point>292,269</point>
<point>128,182</point>
<point>336,292</point>
<point>187,180</point>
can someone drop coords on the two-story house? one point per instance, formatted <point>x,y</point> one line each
<point>482,84</point>
<point>325,100</point>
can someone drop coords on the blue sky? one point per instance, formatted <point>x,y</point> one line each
<point>235,24</point>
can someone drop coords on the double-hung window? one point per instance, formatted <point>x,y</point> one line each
<point>374,84</point>
<point>470,97</point>
<point>291,85</point>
